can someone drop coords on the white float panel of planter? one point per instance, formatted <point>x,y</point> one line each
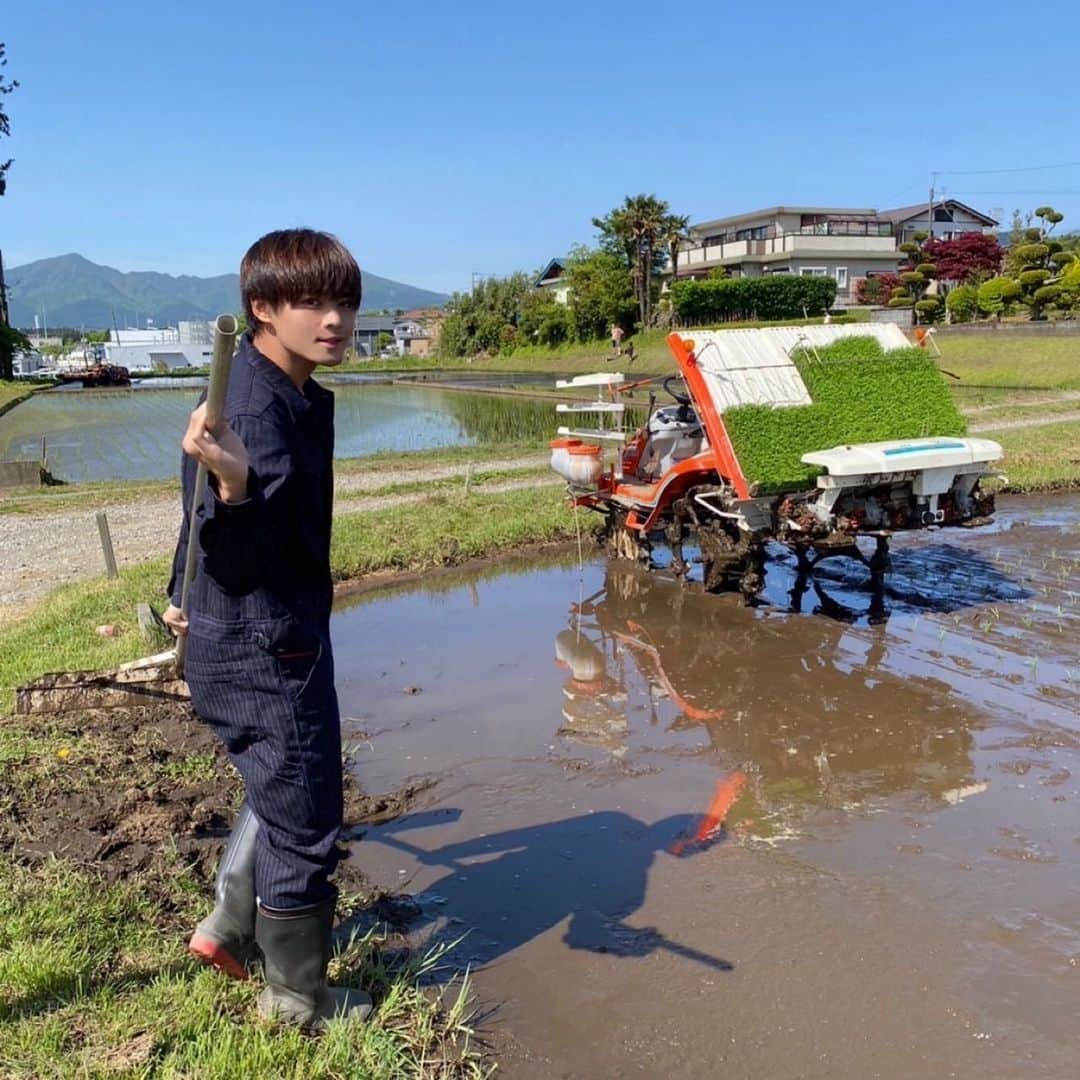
<point>754,366</point>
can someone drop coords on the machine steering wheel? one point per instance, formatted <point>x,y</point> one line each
<point>680,396</point>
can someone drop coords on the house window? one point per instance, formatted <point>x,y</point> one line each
<point>813,271</point>
<point>841,277</point>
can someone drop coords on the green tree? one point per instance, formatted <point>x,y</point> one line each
<point>916,277</point>
<point>1069,300</point>
<point>639,230</point>
<point>6,87</point>
<point>997,296</point>
<point>674,238</point>
<point>601,293</point>
<point>11,342</point>
<point>963,303</point>
<point>1036,263</point>
<point>475,320</point>
<point>543,320</point>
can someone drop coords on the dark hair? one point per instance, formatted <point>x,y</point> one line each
<point>285,266</point>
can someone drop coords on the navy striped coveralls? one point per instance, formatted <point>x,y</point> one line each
<point>259,661</point>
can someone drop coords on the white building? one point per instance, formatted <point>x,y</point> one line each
<point>184,333</point>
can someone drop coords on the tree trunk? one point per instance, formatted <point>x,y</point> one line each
<point>647,286</point>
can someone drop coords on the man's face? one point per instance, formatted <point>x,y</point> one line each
<point>312,329</point>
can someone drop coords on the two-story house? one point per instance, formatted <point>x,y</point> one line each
<point>816,241</point>
<point>813,241</point>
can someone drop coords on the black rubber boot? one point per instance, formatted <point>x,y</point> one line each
<point>296,950</point>
<point>225,939</point>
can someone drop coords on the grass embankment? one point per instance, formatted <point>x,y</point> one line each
<point>411,471</point>
<point>1039,459</point>
<point>651,354</point>
<point>11,393</point>
<point>95,985</point>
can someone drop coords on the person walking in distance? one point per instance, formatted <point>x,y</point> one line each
<point>617,334</point>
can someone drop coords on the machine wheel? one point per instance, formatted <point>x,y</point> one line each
<point>730,559</point>
<point>621,542</point>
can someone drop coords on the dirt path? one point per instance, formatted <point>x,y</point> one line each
<point>1035,421</point>
<point>53,547</point>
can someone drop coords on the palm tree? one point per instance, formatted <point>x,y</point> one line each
<point>674,235</point>
<point>641,229</point>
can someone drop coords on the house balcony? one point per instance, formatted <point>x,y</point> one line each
<point>784,246</point>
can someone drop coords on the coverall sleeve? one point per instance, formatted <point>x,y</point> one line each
<point>241,541</point>
<point>187,486</point>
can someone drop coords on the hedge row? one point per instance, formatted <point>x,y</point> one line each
<point>860,393</point>
<point>779,296</point>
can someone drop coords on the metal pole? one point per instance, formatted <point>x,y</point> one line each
<point>106,544</point>
<point>225,330</point>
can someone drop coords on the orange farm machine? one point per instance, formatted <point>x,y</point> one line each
<point>811,436</point>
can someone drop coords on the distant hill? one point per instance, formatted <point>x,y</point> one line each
<point>76,292</point>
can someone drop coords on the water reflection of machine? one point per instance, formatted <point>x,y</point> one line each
<point>813,712</point>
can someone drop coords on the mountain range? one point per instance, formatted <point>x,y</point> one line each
<point>75,292</point>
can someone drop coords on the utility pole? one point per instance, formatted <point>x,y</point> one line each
<point>930,207</point>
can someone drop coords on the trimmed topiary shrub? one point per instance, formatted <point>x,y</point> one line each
<point>1031,278</point>
<point>928,309</point>
<point>1047,294</point>
<point>859,393</point>
<point>963,303</point>
<point>997,295</point>
<point>1030,253</point>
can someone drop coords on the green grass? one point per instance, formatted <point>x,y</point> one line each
<point>105,493</point>
<point>448,484</point>
<point>447,529</point>
<point>94,495</point>
<point>859,393</point>
<point>653,356</point>
<point>94,982</point>
<point>1001,414</point>
<point>1007,360</point>
<point>975,399</point>
<point>422,460</point>
<point>1041,458</point>
<point>11,393</point>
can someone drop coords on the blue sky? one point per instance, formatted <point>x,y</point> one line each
<point>439,140</point>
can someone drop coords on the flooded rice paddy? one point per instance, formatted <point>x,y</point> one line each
<point>683,838</point>
<point>135,434</point>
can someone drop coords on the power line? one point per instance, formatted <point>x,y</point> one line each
<point>1038,191</point>
<point>996,172</point>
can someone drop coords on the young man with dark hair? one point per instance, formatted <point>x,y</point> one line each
<point>259,661</point>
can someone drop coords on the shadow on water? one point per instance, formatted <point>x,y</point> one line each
<point>940,578</point>
<point>505,889</point>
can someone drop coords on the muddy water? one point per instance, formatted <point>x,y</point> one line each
<point>894,890</point>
